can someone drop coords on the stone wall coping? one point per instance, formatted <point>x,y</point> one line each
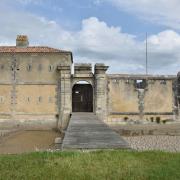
<point>144,113</point>
<point>82,64</point>
<point>141,76</point>
<point>100,68</point>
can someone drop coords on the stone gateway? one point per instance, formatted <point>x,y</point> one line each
<point>38,90</point>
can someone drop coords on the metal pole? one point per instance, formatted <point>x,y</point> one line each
<point>146,55</point>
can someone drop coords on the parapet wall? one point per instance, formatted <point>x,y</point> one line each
<point>140,99</point>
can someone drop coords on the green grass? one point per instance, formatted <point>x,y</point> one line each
<point>91,165</point>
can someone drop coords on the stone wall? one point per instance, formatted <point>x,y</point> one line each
<point>29,88</point>
<point>140,99</point>
<point>36,90</point>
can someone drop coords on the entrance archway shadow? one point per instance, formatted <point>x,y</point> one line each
<point>82,97</point>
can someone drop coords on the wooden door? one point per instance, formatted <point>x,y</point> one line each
<point>82,98</point>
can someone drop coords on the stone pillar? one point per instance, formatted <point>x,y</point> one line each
<point>177,96</point>
<point>64,95</point>
<point>100,79</point>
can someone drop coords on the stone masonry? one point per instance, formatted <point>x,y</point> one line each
<point>36,88</point>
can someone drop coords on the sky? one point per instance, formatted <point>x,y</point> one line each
<point>100,31</point>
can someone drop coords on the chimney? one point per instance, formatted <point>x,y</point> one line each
<point>22,41</point>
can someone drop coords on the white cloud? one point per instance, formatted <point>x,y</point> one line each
<point>96,42</point>
<point>99,42</point>
<point>30,1</point>
<point>164,12</point>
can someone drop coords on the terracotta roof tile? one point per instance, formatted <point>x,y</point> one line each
<point>30,49</point>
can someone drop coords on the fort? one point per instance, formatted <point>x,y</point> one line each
<point>39,91</point>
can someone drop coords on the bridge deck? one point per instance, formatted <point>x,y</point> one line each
<point>85,131</point>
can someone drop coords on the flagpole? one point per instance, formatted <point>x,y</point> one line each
<point>146,55</point>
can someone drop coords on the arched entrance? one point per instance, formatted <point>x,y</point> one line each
<point>82,97</point>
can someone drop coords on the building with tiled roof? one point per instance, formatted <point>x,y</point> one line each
<point>29,82</point>
<point>39,91</point>
<point>31,49</point>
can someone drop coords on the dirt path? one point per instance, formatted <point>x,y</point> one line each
<point>27,141</point>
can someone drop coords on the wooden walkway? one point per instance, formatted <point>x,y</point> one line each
<point>85,131</point>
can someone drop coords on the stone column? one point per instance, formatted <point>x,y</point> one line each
<point>177,96</point>
<point>64,95</point>
<point>100,79</point>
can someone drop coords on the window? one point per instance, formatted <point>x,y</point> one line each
<point>40,98</point>
<point>2,66</point>
<point>28,99</point>
<point>51,68</point>
<point>140,84</point>
<point>1,100</point>
<point>29,67</point>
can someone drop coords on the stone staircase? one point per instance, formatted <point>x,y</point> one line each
<point>86,131</point>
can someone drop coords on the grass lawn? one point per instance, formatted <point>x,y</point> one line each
<point>91,165</point>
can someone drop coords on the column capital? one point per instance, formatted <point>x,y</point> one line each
<point>100,68</point>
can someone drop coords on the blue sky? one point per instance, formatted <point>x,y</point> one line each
<point>70,13</point>
<point>108,31</point>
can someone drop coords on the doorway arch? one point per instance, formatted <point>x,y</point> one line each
<point>82,97</point>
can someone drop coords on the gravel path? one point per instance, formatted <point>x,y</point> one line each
<point>164,143</point>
